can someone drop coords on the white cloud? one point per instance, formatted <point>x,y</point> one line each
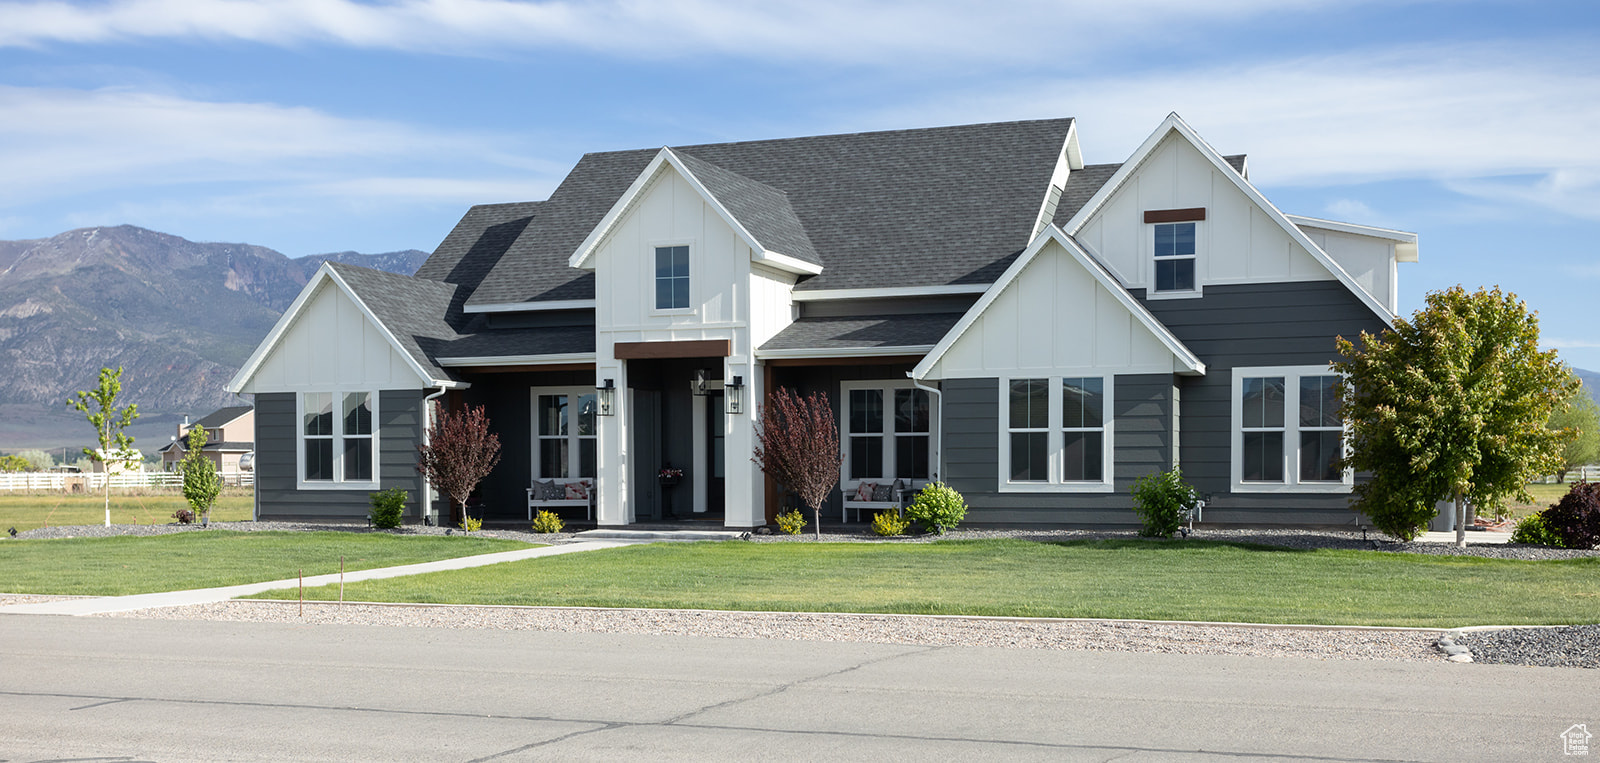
<point>1558,343</point>
<point>71,142</point>
<point>834,30</point>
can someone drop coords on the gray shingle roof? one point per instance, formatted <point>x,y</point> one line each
<point>763,210</point>
<point>477,243</point>
<point>417,311</point>
<point>501,343</point>
<point>864,331</point>
<point>936,206</point>
<point>221,416</point>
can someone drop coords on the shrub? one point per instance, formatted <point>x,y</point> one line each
<point>547,522</point>
<point>387,508</point>
<point>887,523</point>
<point>791,522</point>
<point>471,525</point>
<point>1533,530</point>
<point>938,507</point>
<point>184,516</point>
<point>1162,499</point>
<point>1576,518</point>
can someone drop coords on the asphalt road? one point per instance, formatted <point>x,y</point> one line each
<point>123,689</point>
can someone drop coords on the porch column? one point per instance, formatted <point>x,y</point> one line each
<point>746,504</point>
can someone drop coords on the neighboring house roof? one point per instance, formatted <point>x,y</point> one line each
<point>217,446</point>
<point>860,334</point>
<point>876,208</point>
<point>221,417</point>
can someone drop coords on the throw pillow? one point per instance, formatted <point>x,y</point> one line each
<point>547,490</point>
<point>883,493</point>
<point>577,492</point>
<point>864,492</point>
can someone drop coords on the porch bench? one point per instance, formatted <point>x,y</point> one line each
<point>900,489</point>
<point>535,504</point>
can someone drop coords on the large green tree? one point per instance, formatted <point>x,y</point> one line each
<point>99,405</point>
<point>1452,404</point>
<point>1581,416</point>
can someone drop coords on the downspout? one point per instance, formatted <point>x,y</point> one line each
<point>427,438</point>
<point>938,442</point>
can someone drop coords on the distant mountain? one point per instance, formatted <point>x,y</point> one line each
<point>1591,382</point>
<point>180,316</point>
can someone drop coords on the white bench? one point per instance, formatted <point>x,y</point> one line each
<point>850,487</point>
<point>586,503</point>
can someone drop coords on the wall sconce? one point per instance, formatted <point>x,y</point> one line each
<point>607,393</point>
<point>700,382</point>
<point>733,400</point>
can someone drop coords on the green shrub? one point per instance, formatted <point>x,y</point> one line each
<point>1533,530</point>
<point>547,522</point>
<point>1576,518</point>
<point>471,525</point>
<point>937,508</point>
<point>887,523</point>
<point>791,522</point>
<point>388,506</point>
<point>1162,500</point>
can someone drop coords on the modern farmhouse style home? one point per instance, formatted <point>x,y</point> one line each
<point>979,305</point>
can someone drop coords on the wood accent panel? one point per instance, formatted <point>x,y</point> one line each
<point>1175,215</point>
<point>877,360</point>
<point>695,348</point>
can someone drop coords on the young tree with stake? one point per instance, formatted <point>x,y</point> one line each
<point>797,444</point>
<point>201,485</point>
<point>100,407</point>
<point>460,453</point>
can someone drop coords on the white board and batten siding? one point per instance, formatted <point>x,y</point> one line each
<point>332,345</point>
<point>1369,260</point>
<point>1237,243</point>
<point>1054,317</point>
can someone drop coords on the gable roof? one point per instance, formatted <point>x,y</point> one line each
<point>477,243</point>
<point>1182,354</point>
<point>1175,124</point>
<point>222,416</point>
<point>878,208</point>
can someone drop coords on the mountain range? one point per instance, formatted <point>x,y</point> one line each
<point>179,316</point>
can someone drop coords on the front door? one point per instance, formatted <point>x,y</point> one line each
<point>716,436</point>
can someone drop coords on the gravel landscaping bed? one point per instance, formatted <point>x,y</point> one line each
<point>101,531</point>
<point>1012,633</point>
<point>1574,646</point>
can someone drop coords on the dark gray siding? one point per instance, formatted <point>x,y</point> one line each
<point>1141,444</point>
<point>508,402</point>
<point>399,431</point>
<point>1278,324</point>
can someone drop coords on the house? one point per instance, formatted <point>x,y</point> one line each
<point>979,305</point>
<point>230,435</point>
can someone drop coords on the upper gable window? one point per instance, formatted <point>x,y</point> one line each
<point>672,277</point>
<point>1175,257</point>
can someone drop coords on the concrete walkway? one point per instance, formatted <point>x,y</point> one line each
<point>1473,537</point>
<point>104,604</point>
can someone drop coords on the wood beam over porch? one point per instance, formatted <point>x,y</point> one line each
<point>695,348</point>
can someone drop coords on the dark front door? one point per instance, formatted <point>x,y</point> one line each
<point>716,437</point>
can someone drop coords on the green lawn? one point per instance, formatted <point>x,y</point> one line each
<point>208,558</point>
<point>1172,580</point>
<point>26,511</point>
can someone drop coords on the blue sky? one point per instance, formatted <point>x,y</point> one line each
<point>324,125</point>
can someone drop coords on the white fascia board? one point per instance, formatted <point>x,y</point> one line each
<point>822,295</point>
<point>518,360</point>
<point>1405,249</point>
<point>845,352</point>
<point>1175,123</point>
<point>528,307</point>
<point>286,320</point>
<point>1074,153</point>
<point>1184,360</point>
<point>786,263</point>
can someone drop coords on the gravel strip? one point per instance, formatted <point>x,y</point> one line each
<point>1576,646</point>
<point>101,531</point>
<point>1088,635</point>
<point>7,599</point>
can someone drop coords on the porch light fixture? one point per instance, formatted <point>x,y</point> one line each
<point>732,399</point>
<point>697,386</point>
<point>607,393</point>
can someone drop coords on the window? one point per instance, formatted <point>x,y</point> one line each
<point>338,451</point>
<point>1174,257</point>
<point>1057,434</point>
<point>888,430</point>
<point>672,277</point>
<point>565,441</point>
<point>1287,432</point>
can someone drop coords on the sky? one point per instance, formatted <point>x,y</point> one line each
<point>315,126</point>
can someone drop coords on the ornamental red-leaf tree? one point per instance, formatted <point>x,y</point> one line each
<point>797,444</point>
<point>459,454</point>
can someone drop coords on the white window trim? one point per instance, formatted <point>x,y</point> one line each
<point>889,387</point>
<point>338,482</point>
<point>694,277</point>
<point>574,440</point>
<point>1056,440</point>
<point>1199,260</point>
<point>1291,434</point>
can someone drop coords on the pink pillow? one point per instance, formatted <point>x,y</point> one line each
<point>864,492</point>
<point>577,491</point>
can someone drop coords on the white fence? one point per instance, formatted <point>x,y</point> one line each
<point>90,482</point>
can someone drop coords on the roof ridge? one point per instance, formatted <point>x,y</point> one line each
<point>835,136</point>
